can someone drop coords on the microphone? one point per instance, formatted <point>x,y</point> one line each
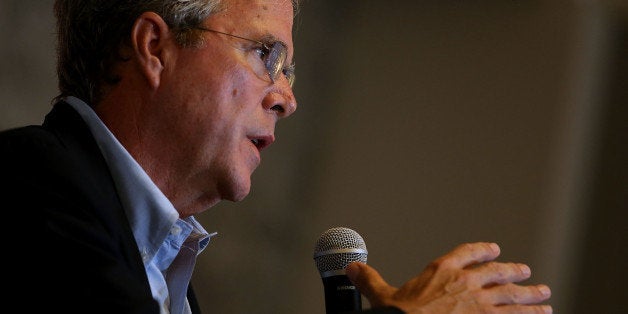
<point>335,249</point>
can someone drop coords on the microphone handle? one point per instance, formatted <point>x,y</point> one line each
<point>341,295</point>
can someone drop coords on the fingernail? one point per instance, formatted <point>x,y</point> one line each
<point>525,269</point>
<point>545,290</point>
<point>494,247</point>
<point>547,309</point>
<point>352,270</point>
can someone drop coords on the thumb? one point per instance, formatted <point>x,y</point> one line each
<point>369,282</point>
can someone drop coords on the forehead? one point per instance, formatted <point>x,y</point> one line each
<point>281,7</point>
<point>256,19</point>
<point>265,15</point>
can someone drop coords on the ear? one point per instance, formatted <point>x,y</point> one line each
<point>150,41</point>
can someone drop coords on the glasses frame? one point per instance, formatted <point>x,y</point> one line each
<point>272,68</point>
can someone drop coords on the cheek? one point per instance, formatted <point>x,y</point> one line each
<point>209,99</point>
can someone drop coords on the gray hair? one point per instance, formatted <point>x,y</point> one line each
<point>90,32</point>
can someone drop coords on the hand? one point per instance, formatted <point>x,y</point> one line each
<point>466,280</point>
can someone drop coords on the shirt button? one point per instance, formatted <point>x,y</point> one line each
<point>144,254</point>
<point>175,230</point>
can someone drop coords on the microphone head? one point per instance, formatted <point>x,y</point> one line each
<point>336,248</point>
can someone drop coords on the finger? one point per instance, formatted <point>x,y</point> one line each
<point>369,282</point>
<point>469,254</point>
<point>499,273</point>
<point>516,294</point>
<point>525,309</point>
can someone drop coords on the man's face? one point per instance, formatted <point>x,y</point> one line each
<point>218,107</point>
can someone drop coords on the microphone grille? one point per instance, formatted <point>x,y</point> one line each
<point>336,248</point>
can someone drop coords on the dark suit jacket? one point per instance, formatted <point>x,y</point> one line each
<point>74,251</point>
<point>77,251</point>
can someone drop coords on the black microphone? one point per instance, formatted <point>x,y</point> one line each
<point>335,249</point>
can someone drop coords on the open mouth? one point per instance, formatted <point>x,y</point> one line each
<point>259,143</point>
<point>262,141</point>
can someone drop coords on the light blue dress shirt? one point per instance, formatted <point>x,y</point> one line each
<point>168,245</point>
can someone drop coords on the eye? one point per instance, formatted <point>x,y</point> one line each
<point>262,51</point>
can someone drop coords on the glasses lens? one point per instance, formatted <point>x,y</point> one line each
<point>276,60</point>
<point>290,76</point>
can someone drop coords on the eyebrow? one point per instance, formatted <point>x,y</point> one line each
<point>264,40</point>
<point>271,39</point>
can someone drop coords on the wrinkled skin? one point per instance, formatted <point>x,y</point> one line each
<point>466,280</point>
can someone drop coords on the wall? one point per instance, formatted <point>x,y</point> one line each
<point>421,125</point>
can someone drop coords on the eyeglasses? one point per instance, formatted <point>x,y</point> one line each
<point>273,55</point>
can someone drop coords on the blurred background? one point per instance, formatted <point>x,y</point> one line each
<point>421,125</point>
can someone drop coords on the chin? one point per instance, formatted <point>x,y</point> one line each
<point>236,191</point>
<point>240,196</point>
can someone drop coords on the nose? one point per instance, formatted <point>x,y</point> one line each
<point>280,100</point>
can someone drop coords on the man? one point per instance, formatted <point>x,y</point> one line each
<point>164,108</point>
